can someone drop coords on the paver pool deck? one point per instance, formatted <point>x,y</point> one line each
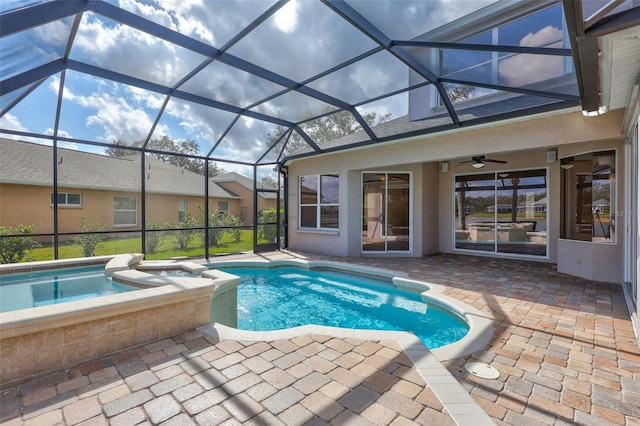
<point>564,346</point>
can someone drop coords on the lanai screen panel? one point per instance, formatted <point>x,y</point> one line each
<point>232,75</point>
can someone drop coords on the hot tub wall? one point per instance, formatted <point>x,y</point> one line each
<point>38,340</point>
<point>27,355</point>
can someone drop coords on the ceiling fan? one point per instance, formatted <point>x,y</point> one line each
<point>479,160</point>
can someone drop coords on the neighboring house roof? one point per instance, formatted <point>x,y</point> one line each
<point>28,163</point>
<point>246,182</point>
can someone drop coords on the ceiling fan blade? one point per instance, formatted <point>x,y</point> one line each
<point>481,159</point>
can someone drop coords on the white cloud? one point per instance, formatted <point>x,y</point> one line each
<point>210,22</point>
<point>144,97</point>
<point>11,122</point>
<point>131,52</point>
<point>523,69</point>
<point>412,18</point>
<point>153,12</point>
<point>61,133</point>
<point>55,33</point>
<point>116,116</point>
<point>62,144</point>
<point>286,19</point>
<point>543,37</point>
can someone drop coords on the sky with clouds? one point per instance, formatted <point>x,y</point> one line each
<point>301,40</point>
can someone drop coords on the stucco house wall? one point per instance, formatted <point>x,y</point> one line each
<point>31,205</point>
<point>523,143</point>
<point>244,208</point>
<point>164,207</point>
<point>246,201</point>
<point>26,186</point>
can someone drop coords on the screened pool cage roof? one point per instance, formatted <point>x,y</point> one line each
<point>258,82</point>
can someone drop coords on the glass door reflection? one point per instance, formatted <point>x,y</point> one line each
<point>386,223</point>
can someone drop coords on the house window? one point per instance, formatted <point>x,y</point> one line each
<point>502,212</point>
<point>542,28</point>
<point>68,199</point>
<point>223,207</point>
<point>588,211</point>
<point>319,196</point>
<point>182,210</point>
<point>125,211</point>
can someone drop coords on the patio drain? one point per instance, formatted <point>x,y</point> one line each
<point>484,371</point>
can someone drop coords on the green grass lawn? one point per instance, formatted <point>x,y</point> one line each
<point>227,244</point>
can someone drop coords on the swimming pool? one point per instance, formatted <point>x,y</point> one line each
<point>286,297</point>
<point>41,288</point>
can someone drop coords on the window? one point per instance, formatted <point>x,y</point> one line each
<point>588,212</point>
<point>541,28</point>
<point>223,207</point>
<point>125,211</point>
<point>68,199</point>
<point>182,210</point>
<point>503,212</point>
<point>319,196</point>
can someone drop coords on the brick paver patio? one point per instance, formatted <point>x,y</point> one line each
<point>564,346</point>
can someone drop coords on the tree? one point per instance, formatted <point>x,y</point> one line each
<point>268,181</point>
<point>169,147</point>
<point>325,129</point>
<point>119,149</point>
<point>458,92</point>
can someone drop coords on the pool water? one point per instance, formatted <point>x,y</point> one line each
<point>278,298</point>
<point>28,290</point>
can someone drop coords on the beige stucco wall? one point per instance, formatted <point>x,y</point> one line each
<point>235,208</point>
<point>246,201</point>
<point>524,144</point>
<point>31,205</point>
<point>26,205</point>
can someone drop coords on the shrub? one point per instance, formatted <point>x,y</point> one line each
<point>185,236</point>
<point>236,232</point>
<point>268,232</point>
<point>220,224</point>
<point>14,249</point>
<point>89,239</point>
<point>155,238</point>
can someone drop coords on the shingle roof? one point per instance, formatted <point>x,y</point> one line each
<point>32,164</point>
<point>244,181</point>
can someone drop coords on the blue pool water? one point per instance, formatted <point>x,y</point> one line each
<point>28,290</point>
<point>273,299</point>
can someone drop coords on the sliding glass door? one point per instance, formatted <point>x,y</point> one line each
<point>632,223</point>
<point>503,212</point>
<point>386,214</point>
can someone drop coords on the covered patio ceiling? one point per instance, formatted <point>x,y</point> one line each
<point>258,82</point>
